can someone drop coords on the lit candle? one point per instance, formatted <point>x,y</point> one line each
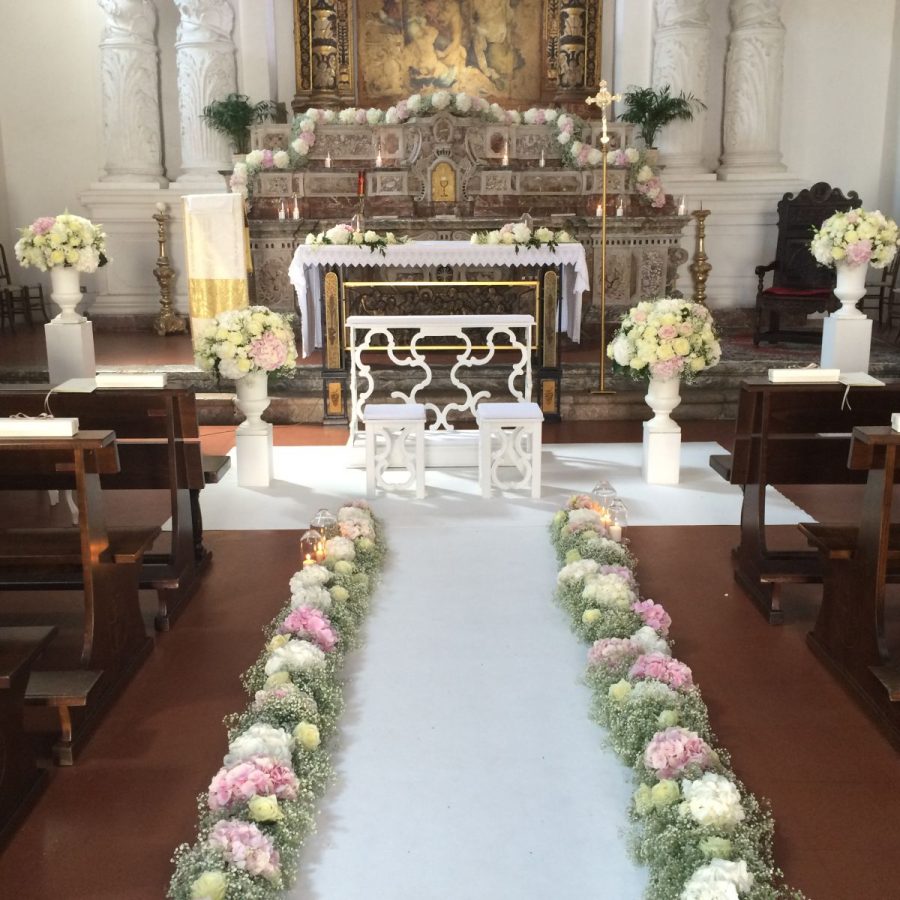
<point>161,207</point>
<point>615,532</point>
<point>505,160</point>
<point>682,206</point>
<point>309,561</point>
<point>328,160</point>
<point>378,160</point>
<point>542,161</point>
<point>620,208</point>
<point>599,208</point>
<point>282,214</point>
<point>296,211</point>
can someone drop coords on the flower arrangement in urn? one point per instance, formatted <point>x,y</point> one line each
<point>243,341</point>
<point>856,238</point>
<point>62,241</point>
<point>665,338</point>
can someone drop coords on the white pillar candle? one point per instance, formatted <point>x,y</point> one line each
<point>615,532</point>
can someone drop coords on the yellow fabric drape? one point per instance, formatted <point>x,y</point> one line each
<point>210,296</point>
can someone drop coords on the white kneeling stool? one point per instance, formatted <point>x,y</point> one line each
<point>396,423</point>
<point>517,426</point>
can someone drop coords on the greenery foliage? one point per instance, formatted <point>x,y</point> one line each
<point>233,117</point>
<point>653,108</point>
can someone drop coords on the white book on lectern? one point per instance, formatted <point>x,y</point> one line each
<point>42,426</point>
<point>131,379</point>
<point>804,376</point>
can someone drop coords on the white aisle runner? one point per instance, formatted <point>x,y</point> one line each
<point>468,765</point>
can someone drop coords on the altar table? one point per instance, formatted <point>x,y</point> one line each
<point>317,275</point>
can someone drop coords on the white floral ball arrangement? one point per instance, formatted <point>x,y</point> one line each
<point>856,238</point>
<point>65,240</point>
<point>665,338</point>
<point>241,341</point>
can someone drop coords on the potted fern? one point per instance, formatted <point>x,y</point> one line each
<point>233,117</point>
<point>653,108</point>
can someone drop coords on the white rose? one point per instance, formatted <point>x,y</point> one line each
<point>521,233</point>
<point>506,237</point>
<point>544,235</point>
<point>493,237</point>
<point>370,237</point>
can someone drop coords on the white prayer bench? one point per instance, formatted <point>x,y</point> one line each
<point>445,446</point>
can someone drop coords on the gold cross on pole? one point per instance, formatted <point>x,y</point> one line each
<point>603,99</point>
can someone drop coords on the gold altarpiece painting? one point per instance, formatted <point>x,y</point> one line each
<point>513,52</point>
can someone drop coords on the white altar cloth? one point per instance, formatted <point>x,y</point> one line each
<point>305,272</point>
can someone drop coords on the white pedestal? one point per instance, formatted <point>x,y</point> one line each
<point>846,344</point>
<point>662,456</point>
<point>70,350</point>
<point>254,457</point>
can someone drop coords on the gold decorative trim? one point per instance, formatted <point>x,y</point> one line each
<point>332,321</point>
<point>207,297</point>
<point>551,312</point>
<point>548,397</point>
<point>334,404</point>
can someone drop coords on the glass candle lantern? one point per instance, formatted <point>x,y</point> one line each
<point>326,523</point>
<point>604,493</point>
<point>618,514</point>
<point>312,548</point>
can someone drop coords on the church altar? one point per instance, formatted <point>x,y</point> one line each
<point>542,282</point>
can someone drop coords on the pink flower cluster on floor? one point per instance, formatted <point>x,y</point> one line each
<point>245,847</point>
<point>313,624</point>
<point>268,351</point>
<point>259,776</point>
<point>663,668</point>
<point>673,750</point>
<point>613,653</point>
<point>654,615</point>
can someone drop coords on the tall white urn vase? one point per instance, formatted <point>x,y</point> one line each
<point>65,283</point>
<point>253,400</point>
<point>254,437</point>
<point>850,289</point>
<point>847,332</point>
<point>662,435</point>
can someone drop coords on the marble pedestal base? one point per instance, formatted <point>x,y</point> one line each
<point>662,456</point>
<point>70,350</point>
<point>254,457</point>
<point>846,344</point>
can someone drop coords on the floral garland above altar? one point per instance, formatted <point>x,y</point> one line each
<point>520,234</point>
<point>345,235</point>
<point>571,132</point>
<point>701,832</point>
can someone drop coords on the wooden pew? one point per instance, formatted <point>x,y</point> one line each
<point>159,449</point>
<point>20,778</point>
<point>791,434</point>
<point>850,633</point>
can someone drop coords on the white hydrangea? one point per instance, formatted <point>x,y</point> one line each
<point>374,116</point>
<point>295,656</point>
<point>594,157</point>
<point>529,116</point>
<point>608,590</point>
<point>281,159</point>
<point>440,100</point>
<point>313,595</point>
<point>254,158</point>
<point>300,147</point>
<point>712,801</point>
<point>550,115</point>
<point>521,233</point>
<point>650,641</point>
<point>260,740</point>
<point>310,576</point>
<point>337,548</point>
<point>347,116</point>
<point>353,513</point>
<point>655,691</point>
<point>720,879</point>
<point>544,234</point>
<point>463,102</point>
<point>414,103</point>
<point>577,571</point>
<point>391,117</point>
<point>586,517</point>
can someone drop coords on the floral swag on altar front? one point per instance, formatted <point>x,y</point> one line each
<point>571,132</point>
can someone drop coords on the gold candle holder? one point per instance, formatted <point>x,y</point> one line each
<point>700,267</point>
<point>168,321</point>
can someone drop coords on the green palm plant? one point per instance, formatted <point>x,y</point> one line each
<point>233,117</point>
<point>653,108</point>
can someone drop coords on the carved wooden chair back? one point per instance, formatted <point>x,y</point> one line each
<point>18,298</point>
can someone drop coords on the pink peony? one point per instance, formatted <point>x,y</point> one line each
<point>268,159</point>
<point>259,776</point>
<point>662,668</point>
<point>245,847</point>
<point>611,653</point>
<point>360,117</point>
<point>43,224</point>
<point>667,368</point>
<point>859,252</point>
<point>671,751</point>
<point>268,352</point>
<point>654,615</point>
<point>312,624</point>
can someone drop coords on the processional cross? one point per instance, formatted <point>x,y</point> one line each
<point>603,99</point>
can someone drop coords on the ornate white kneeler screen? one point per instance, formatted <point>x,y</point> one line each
<point>305,273</point>
<point>510,334</point>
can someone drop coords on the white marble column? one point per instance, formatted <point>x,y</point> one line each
<point>751,126</point>
<point>129,68</point>
<point>205,57</point>
<point>681,60</point>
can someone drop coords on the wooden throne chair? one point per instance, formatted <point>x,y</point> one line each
<point>800,286</point>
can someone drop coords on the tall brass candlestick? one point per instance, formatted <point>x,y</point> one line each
<point>603,99</point>
<point>700,267</point>
<point>168,321</point>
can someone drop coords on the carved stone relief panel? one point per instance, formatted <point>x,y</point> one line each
<point>496,183</point>
<point>615,181</point>
<point>275,184</point>
<point>269,136</point>
<point>393,144</point>
<point>387,183</point>
<point>549,182</point>
<point>273,287</point>
<point>327,184</point>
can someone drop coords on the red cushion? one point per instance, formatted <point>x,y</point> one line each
<point>798,292</point>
